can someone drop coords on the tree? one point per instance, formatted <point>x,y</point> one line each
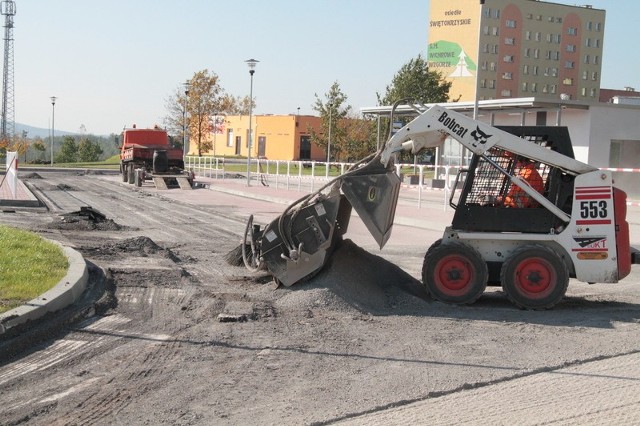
<point>39,146</point>
<point>236,105</point>
<point>415,82</point>
<point>360,137</point>
<point>202,100</point>
<point>68,152</point>
<point>332,112</point>
<point>88,151</point>
<point>19,144</point>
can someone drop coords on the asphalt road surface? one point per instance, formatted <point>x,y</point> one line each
<point>151,344</point>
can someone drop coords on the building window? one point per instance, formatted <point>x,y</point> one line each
<point>536,53</point>
<point>494,48</point>
<point>596,59</point>
<point>483,83</point>
<point>483,66</point>
<point>527,35</point>
<point>529,15</point>
<point>598,42</point>
<point>590,25</point>
<point>485,48</point>
<point>506,93</point>
<point>585,75</point>
<point>485,30</point>
<point>553,88</point>
<point>583,91</point>
<point>554,72</point>
<point>567,81</point>
<point>538,36</point>
<point>593,92</point>
<point>569,64</point>
<point>559,20</point>
<point>495,31</point>
<point>598,26</point>
<point>229,137</point>
<point>571,47</point>
<point>594,76</point>
<point>524,87</point>
<point>587,59</point>
<point>539,18</point>
<point>510,41</point>
<point>510,23</point>
<point>548,38</point>
<point>556,55</point>
<point>535,70</point>
<point>496,13</point>
<point>534,87</point>
<point>527,52</point>
<point>492,66</point>
<point>572,31</point>
<point>545,88</point>
<point>508,58</point>
<point>487,12</point>
<point>492,84</point>
<point>507,76</point>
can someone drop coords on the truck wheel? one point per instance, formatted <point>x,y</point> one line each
<point>123,172</point>
<point>534,277</point>
<point>131,173</point>
<point>454,273</point>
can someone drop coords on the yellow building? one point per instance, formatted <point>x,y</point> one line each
<point>516,48</point>
<point>275,137</point>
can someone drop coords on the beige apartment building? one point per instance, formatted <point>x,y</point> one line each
<point>516,48</point>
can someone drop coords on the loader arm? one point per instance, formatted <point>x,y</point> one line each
<point>432,127</point>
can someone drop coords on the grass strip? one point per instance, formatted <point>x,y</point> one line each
<point>29,266</point>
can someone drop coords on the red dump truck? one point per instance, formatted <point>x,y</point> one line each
<point>149,151</point>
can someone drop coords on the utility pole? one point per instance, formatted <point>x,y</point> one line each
<point>7,130</point>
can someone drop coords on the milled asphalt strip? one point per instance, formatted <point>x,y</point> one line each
<point>66,292</point>
<point>562,394</point>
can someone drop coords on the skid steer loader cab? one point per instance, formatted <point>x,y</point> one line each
<point>479,207</point>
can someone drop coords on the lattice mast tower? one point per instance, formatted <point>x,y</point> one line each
<point>8,124</point>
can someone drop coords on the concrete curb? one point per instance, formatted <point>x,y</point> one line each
<point>66,292</point>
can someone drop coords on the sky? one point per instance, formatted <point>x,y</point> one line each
<point>115,63</point>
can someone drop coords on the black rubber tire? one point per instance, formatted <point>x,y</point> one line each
<point>124,171</point>
<point>454,272</point>
<point>131,173</point>
<point>534,277</point>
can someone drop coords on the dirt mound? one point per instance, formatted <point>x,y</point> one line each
<point>31,175</point>
<point>138,246</point>
<point>355,278</point>
<point>64,187</point>
<point>84,224</point>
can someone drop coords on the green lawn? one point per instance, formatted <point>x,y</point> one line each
<point>29,266</point>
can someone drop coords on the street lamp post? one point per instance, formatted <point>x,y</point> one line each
<point>329,142</point>
<point>252,65</point>
<point>53,125</point>
<point>187,84</point>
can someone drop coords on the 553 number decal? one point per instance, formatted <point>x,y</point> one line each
<point>593,209</point>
